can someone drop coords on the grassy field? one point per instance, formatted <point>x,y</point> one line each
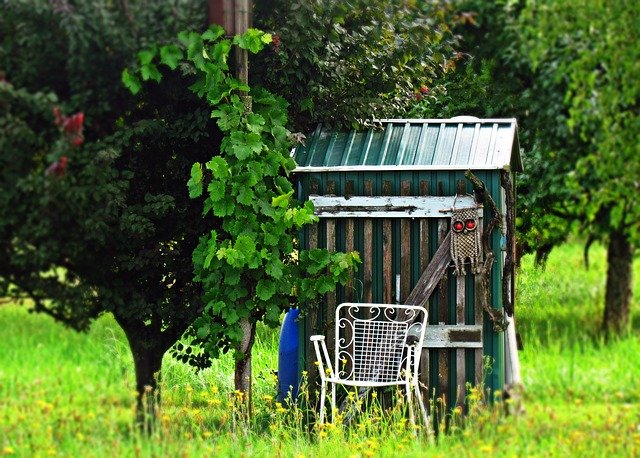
<point>69,394</point>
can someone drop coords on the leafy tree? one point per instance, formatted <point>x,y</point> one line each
<point>249,264</point>
<point>348,62</point>
<point>564,71</point>
<point>592,47</point>
<point>108,225</point>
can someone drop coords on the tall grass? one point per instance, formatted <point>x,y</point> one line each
<point>69,394</point>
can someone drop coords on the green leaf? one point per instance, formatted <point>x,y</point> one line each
<point>194,51</point>
<point>146,55</point>
<point>326,285</point>
<point>274,268</point>
<point>131,81</point>
<point>220,54</point>
<point>219,168</point>
<point>150,72</point>
<point>230,315</point>
<point>246,246</point>
<point>231,276</point>
<point>228,118</point>
<point>246,196</point>
<point>252,40</point>
<point>170,55</point>
<point>255,123</point>
<point>265,289</point>
<point>272,315</point>
<point>244,144</point>
<point>281,201</point>
<point>254,141</point>
<point>203,331</point>
<point>195,182</point>
<point>217,190</point>
<point>213,33</point>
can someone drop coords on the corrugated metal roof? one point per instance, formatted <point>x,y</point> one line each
<point>415,144</point>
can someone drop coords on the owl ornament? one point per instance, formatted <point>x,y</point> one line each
<point>465,239</point>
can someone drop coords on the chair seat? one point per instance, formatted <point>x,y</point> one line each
<point>363,383</point>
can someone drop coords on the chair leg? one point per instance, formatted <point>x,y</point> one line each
<point>423,409</point>
<point>333,403</point>
<point>412,419</point>
<point>323,393</point>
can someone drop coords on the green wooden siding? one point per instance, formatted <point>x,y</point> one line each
<point>447,181</point>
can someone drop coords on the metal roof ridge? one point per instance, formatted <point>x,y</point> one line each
<point>454,120</point>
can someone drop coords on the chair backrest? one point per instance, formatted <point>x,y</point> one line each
<point>371,340</point>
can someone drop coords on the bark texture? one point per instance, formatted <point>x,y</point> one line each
<point>619,283</point>
<point>148,346</point>
<point>242,376</point>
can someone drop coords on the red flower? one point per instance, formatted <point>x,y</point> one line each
<point>58,168</point>
<point>77,140</point>
<point>424,89</point>
<point>74,123</point>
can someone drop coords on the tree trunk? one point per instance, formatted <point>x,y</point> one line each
<point>147,350</point>
<point>242,376</point>
<point>618,289</point>
<point>148,363</point>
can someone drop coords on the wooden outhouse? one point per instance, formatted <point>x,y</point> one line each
<point>389,193</point>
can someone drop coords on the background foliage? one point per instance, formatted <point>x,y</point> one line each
<point>339,62</point>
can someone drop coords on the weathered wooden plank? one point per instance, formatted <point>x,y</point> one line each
<point>387,262</point>
<point>461,371</point>
<point>405,248</point>
<point>424,232</point>
<point>424,262</point>
<point>312,320</point>
<point>331,297</point>
<point>388,206</point>
<point>431,276</point>
<point>387,253</point>
<point>367,280</point>
<point>453,336</point>
<point>443,307</point>
<point>478,318</point>
<point>350,242</point>
<point>460,298</point>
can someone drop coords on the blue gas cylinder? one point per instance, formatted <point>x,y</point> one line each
<point>288,356</point>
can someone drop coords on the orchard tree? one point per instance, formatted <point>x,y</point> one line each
<point>591,45</point>
<point>94,213</point>
<point>495,78</point>
<point>345,63</point>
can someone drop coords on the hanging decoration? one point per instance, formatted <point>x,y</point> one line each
<point>465,239</point>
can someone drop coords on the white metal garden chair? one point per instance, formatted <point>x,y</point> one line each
<point>376,345</point>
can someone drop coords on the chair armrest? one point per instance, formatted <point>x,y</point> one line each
<point>322,356</point>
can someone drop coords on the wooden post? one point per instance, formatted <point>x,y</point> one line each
<point>387,252</point>
<point>233,16</point>
<point>405,248</point>
<point>312,319</point>
<point>367,277</point>
<point>460,309</point>
<point>443,309</point>
<point>424,262</point>
<point>330,317</point>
